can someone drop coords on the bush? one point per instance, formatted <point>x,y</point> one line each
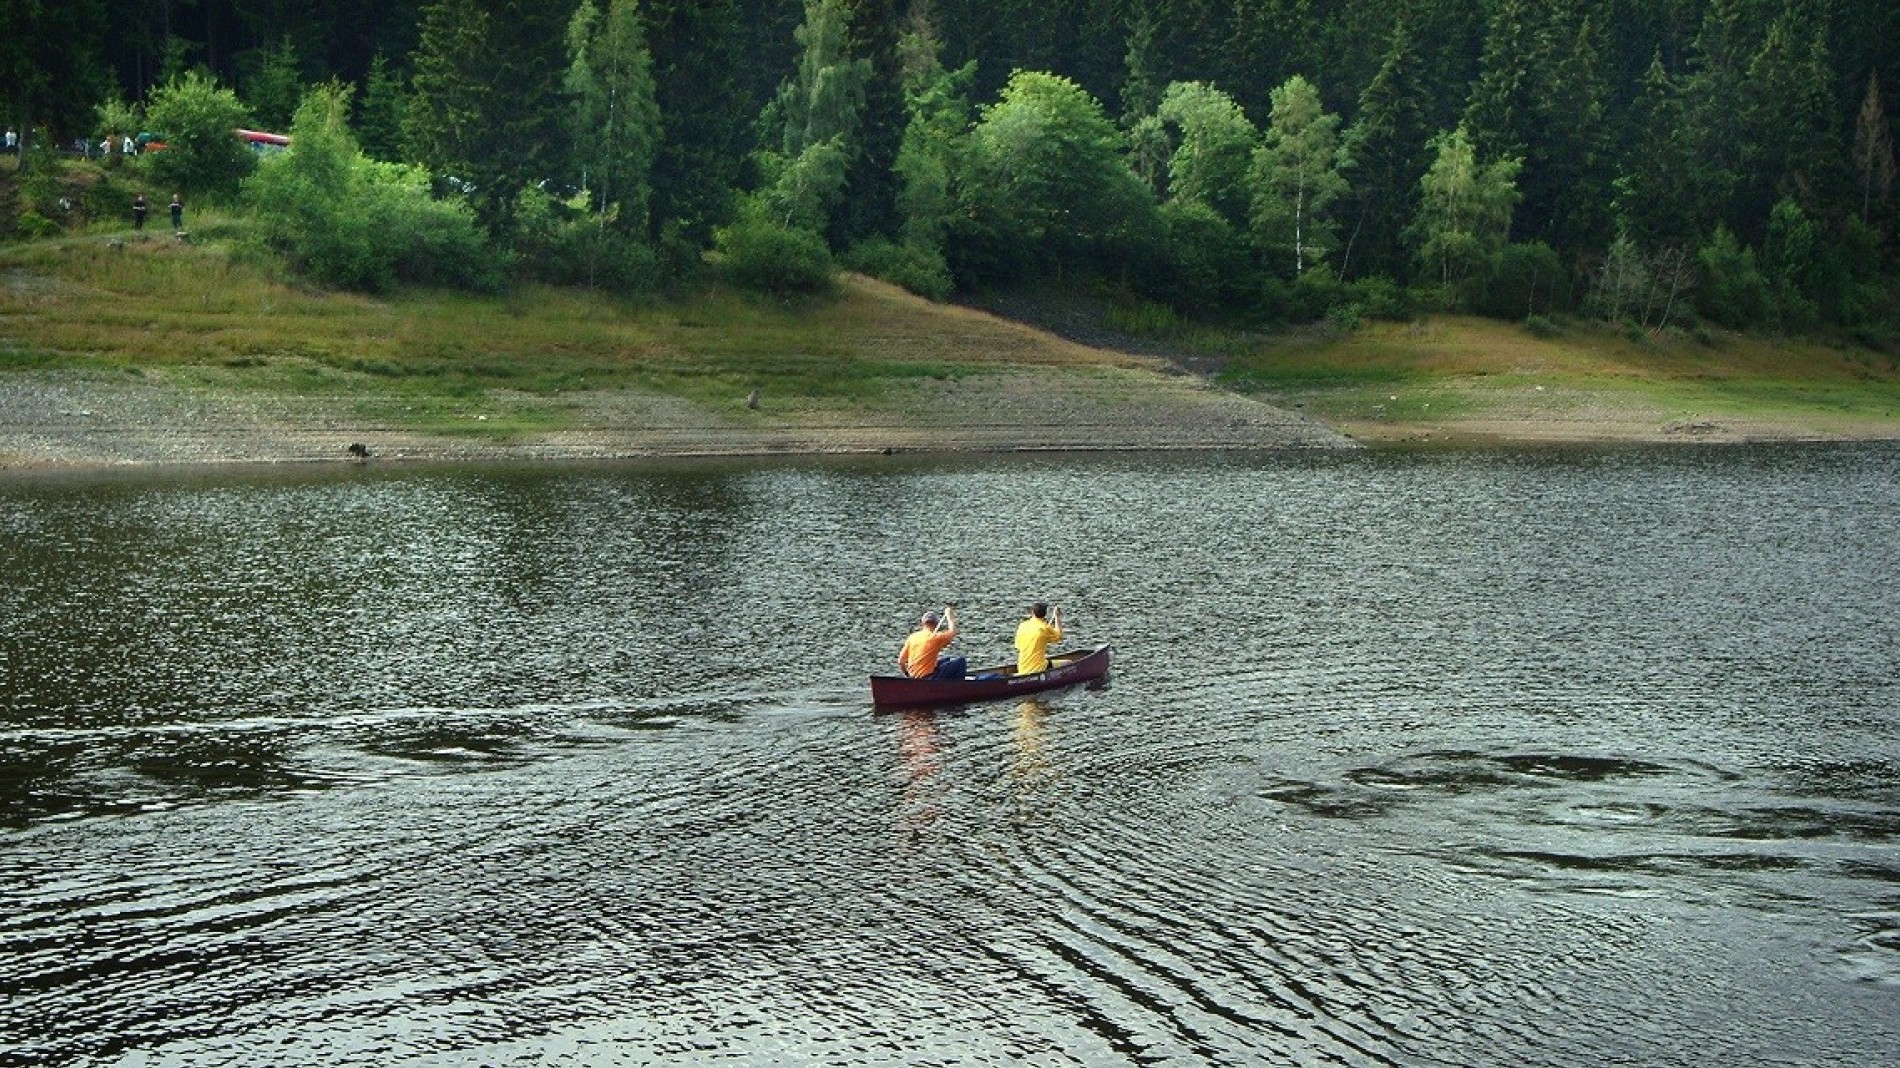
<point>1732,291</point>
<point>763,255</point>
<point>918,269</point>
<point>1520,280</point>
<point>1203,266</point>
<point>357,224</point>
<point>1143,318</point>
<point>564,246</point>
<point>1540,326</point>
<point>32,224</point>
<point>1380,298</point>
<point>201,155</point>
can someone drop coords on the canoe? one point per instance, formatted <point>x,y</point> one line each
<point>991,683</point>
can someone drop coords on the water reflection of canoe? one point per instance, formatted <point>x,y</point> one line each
<point>992,683</point>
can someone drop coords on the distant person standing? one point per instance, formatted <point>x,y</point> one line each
<point>139,207</point>
<point>13,142</point>
<point>178,214</point>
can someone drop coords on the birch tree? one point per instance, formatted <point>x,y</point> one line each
<point>1296,178</point>
<point>1464,214</point>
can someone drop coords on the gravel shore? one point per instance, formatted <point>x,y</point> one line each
<point>54,419</point>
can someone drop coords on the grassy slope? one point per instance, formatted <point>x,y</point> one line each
<point>1459,377</point>
<point>201,315</point>
<point>204,317</point>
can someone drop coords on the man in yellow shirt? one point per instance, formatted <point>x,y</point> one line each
<point>920,657</point>
<point>1033,636</point>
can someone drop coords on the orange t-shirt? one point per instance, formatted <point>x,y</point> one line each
<point>919,657</point>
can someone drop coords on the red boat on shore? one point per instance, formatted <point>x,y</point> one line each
<point>992,683</point>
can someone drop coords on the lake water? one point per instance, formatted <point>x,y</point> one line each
<point>1452,758</point>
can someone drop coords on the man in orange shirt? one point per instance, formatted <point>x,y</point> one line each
<point>920,657</point>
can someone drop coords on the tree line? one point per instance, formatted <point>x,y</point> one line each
<point>1653,161</point>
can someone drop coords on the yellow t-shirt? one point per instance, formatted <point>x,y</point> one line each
<point>1032,645</point>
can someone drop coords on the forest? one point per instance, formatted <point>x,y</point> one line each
<point>1656,163</point>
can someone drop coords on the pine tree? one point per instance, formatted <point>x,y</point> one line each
<point>275,90</point>
<point>379,111</point>
<point>486,107</point>
<point>445,125</point>
<point>937,102</point>
<point>1791,149</point>
<point>816,119</point>
<point>1712,129</point>
<point>1873,149</point>
<point>1386,153</point>
<point>708,130</point>
<point>870,206</point>
<point>1652,189</point>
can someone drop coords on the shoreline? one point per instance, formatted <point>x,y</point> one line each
<point>74,423</point>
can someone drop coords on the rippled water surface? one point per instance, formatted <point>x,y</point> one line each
<point>1557,758</point>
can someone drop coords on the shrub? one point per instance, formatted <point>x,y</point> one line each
<point>32,225</point>
<point>1380,298</point>
<point>351,222</point>
<point>919,269</point>
<point>196,118</point>
<point>1143,318</point>
<point>1732,291</point>
<point>764,255</point>
<point>1540,326</point>
<point>562,245</point>
<point>1521,279</point>
<point>1203,266</point>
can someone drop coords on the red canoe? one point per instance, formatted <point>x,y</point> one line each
<point>990,684</point>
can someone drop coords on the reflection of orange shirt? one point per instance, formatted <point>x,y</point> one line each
<point>919,657</point>
<point>1032,645</point>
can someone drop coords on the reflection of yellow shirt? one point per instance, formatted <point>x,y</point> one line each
<point>1032,645</point>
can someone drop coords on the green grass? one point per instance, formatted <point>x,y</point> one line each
<point>115,301</point>
<point>220,315</point>
<point>1452,369</point>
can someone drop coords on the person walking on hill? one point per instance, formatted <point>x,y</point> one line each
<point>178,214</point>
<point>139,208</point>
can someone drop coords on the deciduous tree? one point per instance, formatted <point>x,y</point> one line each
<point>1465,208</point>
<point>1296,179</point>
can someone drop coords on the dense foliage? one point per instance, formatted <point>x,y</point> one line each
<point>1643,160</point>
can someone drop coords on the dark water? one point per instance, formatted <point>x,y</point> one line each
<point>1451,759</point>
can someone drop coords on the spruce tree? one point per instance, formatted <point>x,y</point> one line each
<point>1386,153</point>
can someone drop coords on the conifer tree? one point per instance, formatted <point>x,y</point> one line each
<point>1654,187</point>
<point>709,119</point>
<point>379,111</point>
<point>1790,145</point>
<point>1873,149</point>
<point>274,91</point>
<point>816,119</point>
<point>485,108</point>
<point>870,206</point>
<point>1385,150</point>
